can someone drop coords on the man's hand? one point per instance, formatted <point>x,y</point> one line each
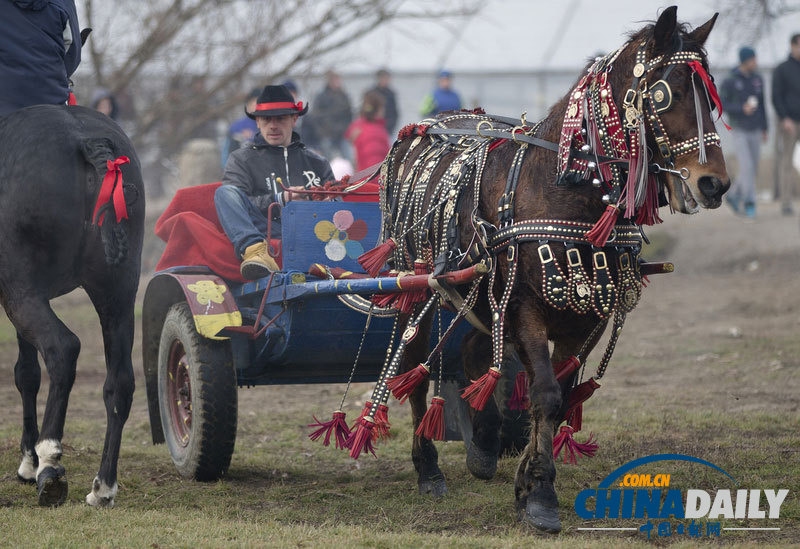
<point>293,194</point>
<point>749,108</point>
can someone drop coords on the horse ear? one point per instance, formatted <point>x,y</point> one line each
<point>665,28</point>
<point>700,34</point>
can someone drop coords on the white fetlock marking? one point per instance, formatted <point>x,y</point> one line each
<point>49,452</point>
<point>27,469</point>
<point>101,495</point>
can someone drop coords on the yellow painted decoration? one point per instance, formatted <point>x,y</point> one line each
<point>325,230</point>
<point>209,325</point>
<point>207,291</point>
<point>298,278</point>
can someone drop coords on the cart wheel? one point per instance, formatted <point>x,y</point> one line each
<point>197,397</point>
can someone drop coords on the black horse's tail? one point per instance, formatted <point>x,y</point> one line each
<point>98,151</point>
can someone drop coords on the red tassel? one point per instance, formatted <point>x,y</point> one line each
<point>385,300</point>
<point>573,450</point>
<point>520,400</point>
<point>479,392</point>
<point>71,100</point>
<point>407,300</point>
<point>565,368</point>
<point>581,394</point>
<point>602,229</point>
<point>360,440</point>
<point>374,259</point>
<point>648,213</point>
<point>336,426</point>
<point>364,412</point>
<point>432,425</point>
<point>404,384</point>
<point>382,424</point>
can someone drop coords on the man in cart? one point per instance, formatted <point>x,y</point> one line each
<point>255,175</point>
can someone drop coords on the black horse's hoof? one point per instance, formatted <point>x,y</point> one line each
<point>52,486</point>
<point>481,464</point>
<point>436,488</point>
<point>541,517</point>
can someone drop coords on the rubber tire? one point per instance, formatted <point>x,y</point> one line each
<point>208,452</point>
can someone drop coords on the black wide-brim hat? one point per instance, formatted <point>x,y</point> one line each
<point>276,101</point>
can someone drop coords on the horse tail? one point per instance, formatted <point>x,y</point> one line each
<point>98,151</point>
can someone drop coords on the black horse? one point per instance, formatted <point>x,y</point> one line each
<point>53,163</point>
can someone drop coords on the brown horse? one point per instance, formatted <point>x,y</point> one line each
<point>653,82</point>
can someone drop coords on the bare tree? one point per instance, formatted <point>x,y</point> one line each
<point>749,20</point>
<point>188,62</point>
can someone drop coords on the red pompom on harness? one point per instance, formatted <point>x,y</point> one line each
<point>111,190</point>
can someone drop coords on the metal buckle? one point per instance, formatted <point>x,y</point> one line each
<point>573,257</point>
<point>545,248</point>
<point>597,257</point>
<point>630,95</point>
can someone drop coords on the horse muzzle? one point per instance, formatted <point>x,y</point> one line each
<point>711,190</point>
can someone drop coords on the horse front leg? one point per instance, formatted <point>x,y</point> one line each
<point>28,378</point>
<point>117,322</point>
<point>536,501</point>
<point>483,450</point>
<point>423,451</point>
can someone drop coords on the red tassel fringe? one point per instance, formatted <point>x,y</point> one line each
<point>404,384</point>
<point>520,399</point>
<point>360,440</point>
<point>602,229</point>
<point>373,260</point>
<point>565,368</point>
<point>432,425</point>
<point>479,392</point>
<point>648,213</point>
<point>336,426</point>
<point>382,425</point>
<point>573,450</point>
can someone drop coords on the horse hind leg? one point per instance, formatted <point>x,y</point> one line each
<point>28,378</point>
<point>534,486</point>
<point>36,322</point>
<point>483,450</point>
<point>115,309</point>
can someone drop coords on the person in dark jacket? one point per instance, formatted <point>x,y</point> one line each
<point>743,97</point>
<point>40,48</point>
<point>786,100</point>
<point>250,181</point>
<point>384,80</point>
<point>331,115</point>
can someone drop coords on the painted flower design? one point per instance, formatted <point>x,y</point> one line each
<point>342,235</point>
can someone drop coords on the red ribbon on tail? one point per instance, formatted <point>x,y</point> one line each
<point>111,190</point>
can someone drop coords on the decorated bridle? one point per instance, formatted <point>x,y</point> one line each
<point>593,126</point>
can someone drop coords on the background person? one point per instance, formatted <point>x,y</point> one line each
<point>40,48</point>
<point>243,129</point>
<point>331,116</point>
<point>743,97</point>
<point>249,184</point>
<point>382,86</point>
<point>786,100</point>
<point>443,98</point>
<point>368,132</point>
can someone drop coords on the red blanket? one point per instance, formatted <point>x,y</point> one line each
<point>191,229</point>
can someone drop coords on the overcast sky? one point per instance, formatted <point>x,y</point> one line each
<point>532,34</point>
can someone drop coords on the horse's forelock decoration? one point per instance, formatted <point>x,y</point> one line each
<point>621,141</point>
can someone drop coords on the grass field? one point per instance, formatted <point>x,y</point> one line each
<point>708,367</point>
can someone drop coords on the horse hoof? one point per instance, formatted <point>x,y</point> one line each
<point>436,488</point>
<point>101,495</point>
<point>541,517</point>
<point>481,464</point>
<point>52,486</point>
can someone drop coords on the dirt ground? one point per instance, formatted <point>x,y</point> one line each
<point>720,335</point>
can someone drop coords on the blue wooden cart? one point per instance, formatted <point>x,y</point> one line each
<point>203,337</point>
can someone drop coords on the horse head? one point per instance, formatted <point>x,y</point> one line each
<point>676,97</point>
